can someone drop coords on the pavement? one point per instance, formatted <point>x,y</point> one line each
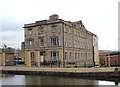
<point>55,69</point>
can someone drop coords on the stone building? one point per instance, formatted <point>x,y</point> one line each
<point>56,41</point>
<point>104,56</point>
<point>115,59</point>
<point>95,50</point>
<point>0,56</point>
<point>109,58</point>
<point>8,56</point>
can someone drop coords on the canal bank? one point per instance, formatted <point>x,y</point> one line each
<point>111,72</point>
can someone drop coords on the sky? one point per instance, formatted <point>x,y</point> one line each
<point>99,16</point>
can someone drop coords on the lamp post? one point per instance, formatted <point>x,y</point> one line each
<point>117,48</point>
<point>118,44</point>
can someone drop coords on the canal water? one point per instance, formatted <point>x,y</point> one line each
<point>49,80</point>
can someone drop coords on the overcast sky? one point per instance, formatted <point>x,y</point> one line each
<point>98,16</point>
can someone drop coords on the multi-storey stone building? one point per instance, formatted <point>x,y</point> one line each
<point>60,41</point>
<point>0,56</point>
<point>7,56</point>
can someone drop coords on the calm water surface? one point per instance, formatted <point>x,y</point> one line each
<point>49,80</point>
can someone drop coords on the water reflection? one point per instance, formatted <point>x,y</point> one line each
<point>14,80</point>
<point>50,80</point>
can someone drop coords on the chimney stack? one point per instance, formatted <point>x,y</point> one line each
<point>53,17</point>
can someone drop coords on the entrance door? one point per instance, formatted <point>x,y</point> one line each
<point>42,58</point>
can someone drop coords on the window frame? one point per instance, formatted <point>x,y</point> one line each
<point>54,41</point>
<point>30,43</point>
<point>40,29</point>
<point>41,44</point>
<point>30,31</point>
<point>53,29</point>
<point>54,58</point>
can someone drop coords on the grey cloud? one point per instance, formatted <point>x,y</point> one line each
<point>11,38</point>
<point>11,25</point>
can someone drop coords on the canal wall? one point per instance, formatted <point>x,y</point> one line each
<point>111,72</point>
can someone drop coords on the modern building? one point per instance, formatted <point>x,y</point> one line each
<point>59,42</point>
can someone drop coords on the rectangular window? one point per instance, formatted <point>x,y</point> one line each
<point>85,55</point>
<point>65,30</point>
<point>32,56</point>
<point>41,41</point>
<point>82,55</point>
<point>70,55</point>
<point>75,55</point>
<point>80,34</point>
<point>70,31</point>
<point>78,55</point>
<point>30,43</point>
<point>29,31</point>
<point>78,44</point>
<point>65,41</point>
<point>40,29</point>
<point>54,41</point>
<point>54,56</point>
<point>42,58</point>
<point>75,43</point>
<point>70,43</point>
<point>75,32</point>
<point>65,56</point>
<point>53,29</point>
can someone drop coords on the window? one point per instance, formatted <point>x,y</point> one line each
<point>75,32</point>
<point>30,43</point>
<point>41,41</point>
<point>85,55</point>
<point>78,33</point>
<point>70,31</point>
<point>78,55</point>
<point>54,41</point>
<point>65,42</point>
<point>42,56</point>
<point>32,56</point>
<point>75,55</point>
<point>75,43</point>
<point>65,30</point>
<point>29,31</point>
<point>65,56</point>
<point>70,55</point>
<point>78,44</point>
<point>53,29</point>
<point>82,55</point>
<point>88,55</point>
<point>69,42</point>
<point>40,29</point>
<point>54,56</point>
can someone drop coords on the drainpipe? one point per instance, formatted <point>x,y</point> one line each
<point>63,46</point>
<point>93,50</point>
